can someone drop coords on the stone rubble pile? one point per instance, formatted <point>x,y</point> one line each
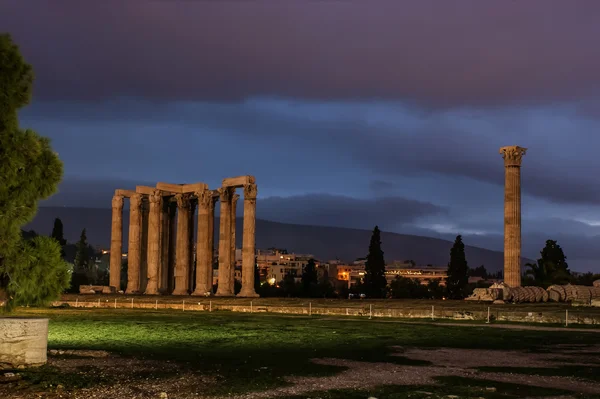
<point>555,293</point>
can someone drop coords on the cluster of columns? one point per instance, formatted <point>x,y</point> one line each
<point>513,156</point>
<point>161,238</point>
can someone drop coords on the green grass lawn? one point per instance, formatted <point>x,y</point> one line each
<point>254,351</point>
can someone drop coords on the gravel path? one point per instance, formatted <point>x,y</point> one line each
<point>145,379</point>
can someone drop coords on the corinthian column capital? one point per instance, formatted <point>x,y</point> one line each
<point>183,201</point>
<point>250,191</point>
<point>117,201</point>
<point>205,199</point>
<point>513,155</point>
<point>135,201</point>
<point>155,197</point>
<point>225,194</point>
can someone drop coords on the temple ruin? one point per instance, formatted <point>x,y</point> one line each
<point>160,255</point>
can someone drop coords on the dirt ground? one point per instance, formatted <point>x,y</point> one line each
<point>130,378</point>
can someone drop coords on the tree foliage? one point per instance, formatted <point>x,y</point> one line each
<point>42,274</point>
<point>309,277</point>
<point>29,171</point>
<point>375,282</point>
<point>550,268</point>
<point>82,255</point>
<point>58,235</point>
<point>458,271</point>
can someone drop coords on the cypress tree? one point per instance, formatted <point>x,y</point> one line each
<point>458,271</point>
<point>58,235</point>
<point>375,282</point>
<point>81,256</point>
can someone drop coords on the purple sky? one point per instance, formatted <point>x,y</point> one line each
<point>349,113</point>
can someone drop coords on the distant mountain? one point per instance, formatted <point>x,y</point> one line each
<point>324,243</point>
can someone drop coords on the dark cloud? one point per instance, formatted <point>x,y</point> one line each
<point>433,53</point>
<point>333,210</point>
<point>311,209</point>
<point>381,187</point>
<point>451,143</point>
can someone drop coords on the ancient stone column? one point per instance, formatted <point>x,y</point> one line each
<point>512,214</point>
<point>234,200</point>
<point>134,250</point>
<point>211,240</point>
<point>203,252</point>
<point>144,244</point>
<point>116,242</point>
<point>249,241</point>
<point>225,285</point>
<point>182,257</point>
<point>191,271</point>
<point>154,243</point>
<point>172,246</point>
<point>163,270</point>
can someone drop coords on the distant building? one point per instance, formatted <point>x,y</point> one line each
<point>355,272</point>
<point>274,264</point>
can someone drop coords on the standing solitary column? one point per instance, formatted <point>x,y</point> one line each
<point>225,286</point>
<point>134,250</point>
<point>116,242</point>
<point>203,256</point>
<point>154,243</point>
<point>249,238</point>
<point>234,200</point>
<point>182,257</point>
<point>512,214</point>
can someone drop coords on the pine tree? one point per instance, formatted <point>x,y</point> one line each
<point>82,255</point>
<point>29,171</point>
<point>550,268</point>
<point>309,276</point>
<point>375,283</point>
<point>458,271</point>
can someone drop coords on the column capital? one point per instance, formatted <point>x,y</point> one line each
<point>512,155</point>
<point>183,201</point>
<point>135,201</point>
<point>155,197</point>
<point>250,191</point>
<point>205,199</point>
<point>117,201</point>
<point>225,194</point>
<point>234,199</point>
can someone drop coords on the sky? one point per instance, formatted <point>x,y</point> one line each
<point>348,113</point>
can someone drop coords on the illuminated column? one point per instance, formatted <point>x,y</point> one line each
<point>182,257</point>
<point>234,200</point>
<point>513,156</point>
<point>163,270</point>
<point>211,240</point>
<point>203,252</point>
<point>134,250</point>
<point>116,242</point>
<point>144,244</point>
<point>191,270</point>
<point>154,243</point>
<point>225,285</point>
<point>249,241</point>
